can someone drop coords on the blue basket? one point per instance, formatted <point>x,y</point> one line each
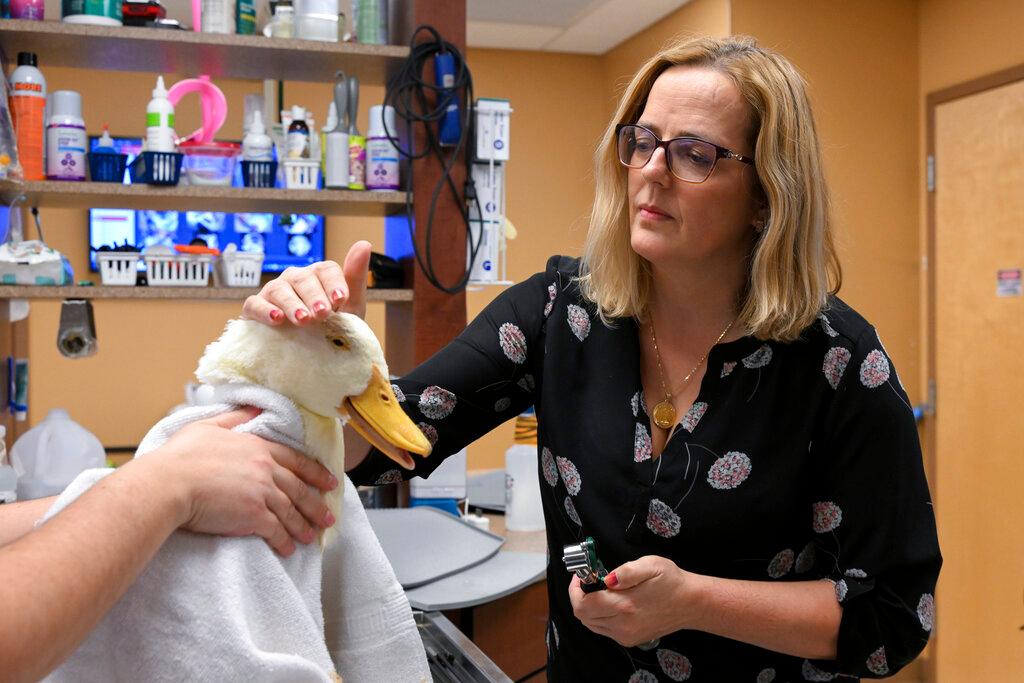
<point>259,173</point>
<point>107,167</point>
<point>156,168</point>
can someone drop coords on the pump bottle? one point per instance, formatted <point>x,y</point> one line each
<point>257,145</point>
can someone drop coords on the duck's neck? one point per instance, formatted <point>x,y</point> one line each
<point>325,443</point>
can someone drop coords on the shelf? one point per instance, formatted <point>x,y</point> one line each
<point>127,48</point>
<point>197,293</point>
<point>85,195</point>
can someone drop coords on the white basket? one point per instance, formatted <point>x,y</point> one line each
<point>118,267</point>
<point>178,270</point>
<point>301,174</point>
<point>240,268</point>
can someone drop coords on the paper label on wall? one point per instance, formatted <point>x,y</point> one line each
<point>1008,281</point>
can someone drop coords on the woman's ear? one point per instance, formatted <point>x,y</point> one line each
<point>760,221</point>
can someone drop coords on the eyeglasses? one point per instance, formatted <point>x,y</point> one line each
<point>690,159</point>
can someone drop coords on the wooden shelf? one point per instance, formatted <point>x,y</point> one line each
<point>85,195</point>
<point>197,293</point>
<point>127,48</point>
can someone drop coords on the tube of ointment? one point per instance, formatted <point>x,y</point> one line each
<point>20,406</point>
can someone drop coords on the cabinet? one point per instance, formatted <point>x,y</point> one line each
<point>418,319</point>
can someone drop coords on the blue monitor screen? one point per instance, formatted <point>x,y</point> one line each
<point>286,240</point>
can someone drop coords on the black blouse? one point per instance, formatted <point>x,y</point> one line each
<point>797,461</point>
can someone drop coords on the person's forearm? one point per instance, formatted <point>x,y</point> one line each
<point>799,618</point>
<point>17,519</point>
<point>356,448</point>
<point>59,580</point>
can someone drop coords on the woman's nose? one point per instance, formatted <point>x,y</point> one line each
<point>656,169</point>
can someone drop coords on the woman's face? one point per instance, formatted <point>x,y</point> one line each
<point>673,222</point>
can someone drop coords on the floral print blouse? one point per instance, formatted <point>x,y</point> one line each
<point>796,462</point>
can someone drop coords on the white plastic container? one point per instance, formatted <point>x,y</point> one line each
<point>65,137</point>
<point>335,152</point>
<point>523,508</point>
<point>257,145</point>
<point>160,120</point>
<point>301,174</point>
<point>51,454</point>
<point>177,270</point>
<point>118,268</point>
<point>239,268</point>
<point>381,154</point>
<point>316,20</point>
<point>218,16</point>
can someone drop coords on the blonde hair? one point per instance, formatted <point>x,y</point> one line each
<point>794,265</point>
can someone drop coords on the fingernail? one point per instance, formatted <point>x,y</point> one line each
<point>301,314</point>
<point>319,307</point>
<point>611,580</point>
<point>275,315</point>
<point>328,519</point>
<point>332,482</point>
<point>337,295</point>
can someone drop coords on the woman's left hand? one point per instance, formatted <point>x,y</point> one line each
<point>646,599</point>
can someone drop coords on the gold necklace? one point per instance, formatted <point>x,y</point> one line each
<point>664,414</point>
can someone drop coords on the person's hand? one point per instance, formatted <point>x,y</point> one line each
<point>646,599</point>
<point>303,295</point>
<point>234,484</point>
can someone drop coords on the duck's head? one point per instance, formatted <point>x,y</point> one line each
<point>333,368</point>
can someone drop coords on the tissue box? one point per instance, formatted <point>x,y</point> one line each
<point>31,262</point>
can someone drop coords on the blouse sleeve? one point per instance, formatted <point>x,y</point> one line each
<point>872,518</point>
<point>485,376</point>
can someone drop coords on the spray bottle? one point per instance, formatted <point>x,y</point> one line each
<point>28,109</point>
<point>257,145</point>
<point>160,120</point>
<point>65,137</point>
<point>356,142</point>
<point>336,138</point>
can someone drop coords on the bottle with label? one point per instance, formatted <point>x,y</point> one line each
<point>28,107</point>
<point>245,17</point>
<point>257,145</point>
<point>65,137</point>
<point>160,120</point>
<point>381,152</point>
<point>298,135</point>
<point>356,142</point>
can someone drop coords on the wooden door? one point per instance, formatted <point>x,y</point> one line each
<point>978,473</point>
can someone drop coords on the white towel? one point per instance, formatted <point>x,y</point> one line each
<point>210,608</point>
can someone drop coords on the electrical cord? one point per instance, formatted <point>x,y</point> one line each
<point>407,91</point>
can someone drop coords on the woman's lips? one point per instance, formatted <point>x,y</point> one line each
<point>652,214</point>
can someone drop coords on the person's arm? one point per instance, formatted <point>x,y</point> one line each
<point>17,519</point>
<point>57,581</point>
<point>651,597</point>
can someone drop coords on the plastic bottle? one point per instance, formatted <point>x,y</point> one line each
<point>105,145</point>
<point>65,137</point>
<point>28,109</point>
<point>33,10</point>
<point>160,120</point>
<point>381,154</point>
<point>51,454</point>
<point>245,17</point>
<point>523,508</point>
<point>335,151</point>
<point>356,142</point>
<point>257,145</point>
<point>298,135</point>
<point>8,477</point>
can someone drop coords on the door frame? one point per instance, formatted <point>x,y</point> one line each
<point>932,101</point>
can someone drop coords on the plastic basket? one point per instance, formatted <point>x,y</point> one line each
<point>157,168</point>
<point>240,268</point>
<point>107,167</point>
<point>178,270</point>
<point>259,173</point>
<point>118,267</point>
<point>301,174</point>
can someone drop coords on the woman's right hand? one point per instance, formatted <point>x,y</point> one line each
<point>234,484</point>
<point>303,295</point>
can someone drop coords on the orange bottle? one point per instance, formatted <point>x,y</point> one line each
<point>28,109</point>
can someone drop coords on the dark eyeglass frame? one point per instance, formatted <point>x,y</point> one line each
<point>720,152</point>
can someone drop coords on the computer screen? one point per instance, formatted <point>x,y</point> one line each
<point>285,240</point>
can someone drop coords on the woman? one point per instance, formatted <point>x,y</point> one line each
<point>732,435</point>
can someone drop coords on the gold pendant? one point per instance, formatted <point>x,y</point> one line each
<point>664,414</point>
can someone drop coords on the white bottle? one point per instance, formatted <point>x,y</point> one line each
<point>160,120</point>
<point>65,137</point>
<point>381,154</point>
<point>257,145</point>
<point>335,151</point>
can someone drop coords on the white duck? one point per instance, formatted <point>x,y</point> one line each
<point>334,371</point>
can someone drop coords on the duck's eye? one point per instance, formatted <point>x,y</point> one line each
<point>340,343</point>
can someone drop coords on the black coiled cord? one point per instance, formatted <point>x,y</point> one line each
<point>406,91</point>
